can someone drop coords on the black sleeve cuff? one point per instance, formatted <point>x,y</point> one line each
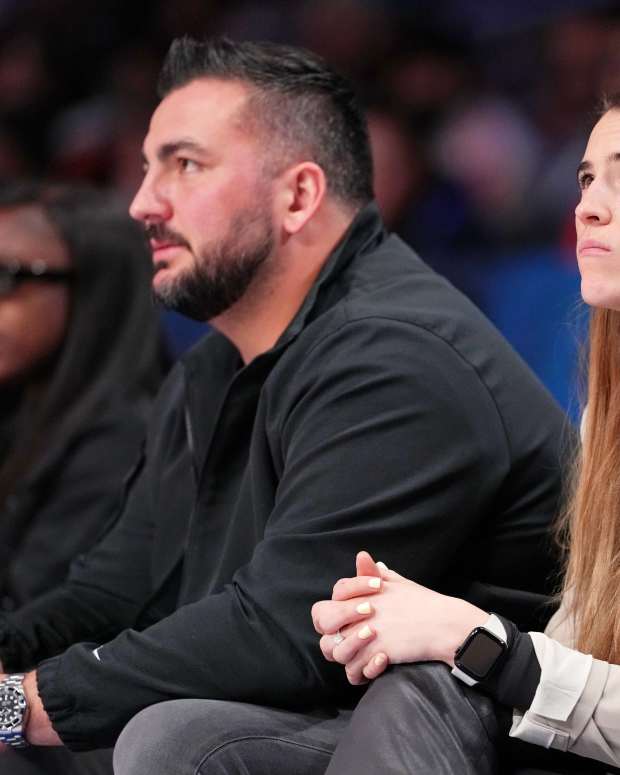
<point>515,678</point>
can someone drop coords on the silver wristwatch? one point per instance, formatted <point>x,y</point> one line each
<point>13,707</point>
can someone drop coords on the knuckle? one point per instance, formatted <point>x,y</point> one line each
<point>318,618</point>
<point>339,656</point>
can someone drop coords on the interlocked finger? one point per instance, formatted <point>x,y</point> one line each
<point>375,666</point>
<point>329,616</point>
<point>359,586</point>
<point>354,642</point>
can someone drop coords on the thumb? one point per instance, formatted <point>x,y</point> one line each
<point>366,566</point>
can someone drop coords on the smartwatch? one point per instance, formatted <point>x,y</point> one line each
<point>480,651</point>
<point>13,708</point>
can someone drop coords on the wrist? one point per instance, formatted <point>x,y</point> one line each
<point>30,690</point>
<point>462,618</point>
<point>38,728</point>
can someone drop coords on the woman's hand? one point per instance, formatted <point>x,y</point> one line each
<point>381,617</point>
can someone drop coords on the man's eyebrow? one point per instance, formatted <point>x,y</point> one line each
<point>167,150</point>
<point>585,165</point>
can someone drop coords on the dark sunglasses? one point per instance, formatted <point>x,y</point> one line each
<point>14,273</point>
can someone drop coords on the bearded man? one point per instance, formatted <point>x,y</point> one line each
<point>347,397</point>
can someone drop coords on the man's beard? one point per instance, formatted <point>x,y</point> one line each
<point>223,270</point>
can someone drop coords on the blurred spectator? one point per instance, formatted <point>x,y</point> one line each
<point>354,35</point>
<point>80,358</point>
<point>492,151</point>
<point>482,117</point>
<point>397,162</point>
<point>100,139</point>
<point>427,74</point>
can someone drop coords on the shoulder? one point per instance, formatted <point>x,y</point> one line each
<point>561,626</point>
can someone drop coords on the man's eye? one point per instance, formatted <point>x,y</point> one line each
<point>188,165</point>
<point>585,179</point>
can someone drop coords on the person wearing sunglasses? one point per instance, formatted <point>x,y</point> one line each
<point>13,273</point>
<point>80,357</point>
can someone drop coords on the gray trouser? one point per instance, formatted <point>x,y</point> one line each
<point>55,761</point>
<point>414,719</point>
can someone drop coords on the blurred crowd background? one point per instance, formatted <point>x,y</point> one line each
<point>478,115</point>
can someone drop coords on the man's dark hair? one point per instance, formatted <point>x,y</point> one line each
<point>297,102</point>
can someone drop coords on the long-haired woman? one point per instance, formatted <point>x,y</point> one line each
<point>563,686</point>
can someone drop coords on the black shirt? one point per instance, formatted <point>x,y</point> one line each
<point>389,416</point>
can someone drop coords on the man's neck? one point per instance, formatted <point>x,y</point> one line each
<point>256,322</point>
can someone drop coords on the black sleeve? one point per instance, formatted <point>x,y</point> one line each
<point>380,450</point>
<point>514,680</point>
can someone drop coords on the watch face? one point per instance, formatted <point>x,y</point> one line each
<point>12,707</point>
<point>479,653</point>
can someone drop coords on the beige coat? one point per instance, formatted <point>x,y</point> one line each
<point>577,704</point>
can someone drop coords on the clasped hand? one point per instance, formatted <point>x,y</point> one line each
<point>380,618</point>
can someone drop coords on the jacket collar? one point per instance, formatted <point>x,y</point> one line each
<point>214,364</point>
<point>364,232</point>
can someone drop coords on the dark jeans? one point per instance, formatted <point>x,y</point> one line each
<point>414,719</point>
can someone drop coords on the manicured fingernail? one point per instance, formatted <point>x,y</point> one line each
<point>382,565</point>
<point>365,632</point>
<point>363,608</point>
<point>379,659</point>
<point>374,583</point>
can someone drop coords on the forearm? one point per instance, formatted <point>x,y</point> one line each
<point>514,678</point>
<point>210,649</point>
<point>50,624</point>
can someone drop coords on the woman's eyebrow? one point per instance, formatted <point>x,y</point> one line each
<point>586,165</point>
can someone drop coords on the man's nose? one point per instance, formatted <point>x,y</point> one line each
<point>150,205</point>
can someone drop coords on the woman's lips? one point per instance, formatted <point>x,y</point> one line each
<point>590,247</point>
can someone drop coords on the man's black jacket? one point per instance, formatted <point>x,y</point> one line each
<point>390,416</point>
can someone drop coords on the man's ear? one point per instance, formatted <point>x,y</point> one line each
<point>302,190</point>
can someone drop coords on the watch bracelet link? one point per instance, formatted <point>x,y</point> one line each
<point>16,738</point>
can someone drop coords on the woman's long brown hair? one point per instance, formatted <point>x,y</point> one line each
<point>593,516</point>
<point>592,520</point>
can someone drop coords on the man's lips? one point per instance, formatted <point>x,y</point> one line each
<point>163,252</point>
<point>591,247</point>
<point>157,245</point>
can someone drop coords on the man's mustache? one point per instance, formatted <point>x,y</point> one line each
<point>162,233</point>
